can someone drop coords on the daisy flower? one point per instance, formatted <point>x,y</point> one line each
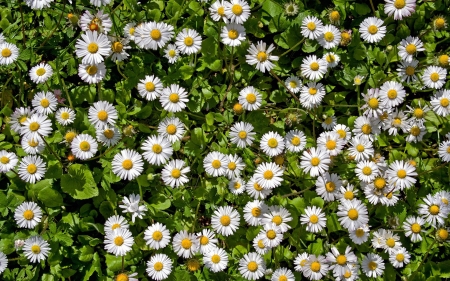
<point>154,35</point>
<point>433,211</point>
<point>258,244</point>
<point>3,262</point>
<point>434,77</point>
<point>343,132</point>
<point>215,163</point>
<point>131,205</point>
<point>444,151</point>
<point>119,47</point>
<point>37,125</point>
<point>241,134</point>
<point>18,118</point>
<point>157,150</point>
<point>377,239</point>
<point>8,53</point>
<point>300,262</point>
<point>315,161</point>
<point>330,142</point>
<point>392,94</point>
<point>157,236</point>
<point>254,211</point>
<point>396,120</point>
<point>174,173</point>
<point>174,98</point>
<point>314,219</point>
<point>260,55</point>
<point>217,11</point>
<point>293,83</point>
<point>32,168</point>
<point>28,215</point>
<point>315,268</point>
<point>440,102</point>
<point>125,276</point>
<point>329,122</point>
<point>171,53</point>
<point>127,164</point>
<point>373,104</point>
<point>401,174</point>
<point>92,73</point>
<point>313,68</point>
<point>360,235</point>
<point>366,171</point>
<point>361,149</point>
<point>283,274</point>
<point>8,161</point>
<point>390,242</point>
<point>216,259</point>
<point>295,141</point>
<point>255,190</point>
<point>407,71</point>
<point>272,144</point>
<point>341,262</point>
<point>99,22</point>
<point>84,146</point>
<point>372,265</point>
<point>44,103</point>
<point>93,47</point>
<point>225,220</point>
<point>36,249</point>
<point>312,27</point>
<point>269,175</point>
<point>311,95</point>
<point>233,34</point>
<point>332,59</point>
<point>365,127</point>
<point>237,11</point>
<point>108,136</point>
<point>38,4</point>
<point>250,98</point>
<point>235,166</point>
<point>409,46</point>
<point>399,257</point>
<point>171,128</point>
<point>208,241</point>
<point>185,244</point>
<point>159,267</point>
<point>352,214</point>
<point>327,186</point>
<point>272,235</point>
<point>279,216</point>
<point>348,192</point>
<point>372,30</point>
<point>188,41</point>
<point>416,132</point>
<point>236,186</point>
<point>418,113</point>
<point>252,266</point>
<point>115,222</point>
<point>65,116</point>
<point>330,38</point>
<point>399,8</point>
<point>40,73</point>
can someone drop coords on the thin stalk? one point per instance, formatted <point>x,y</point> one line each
<point>358,91</point>
<point>99,90</point>
<point>54,29</point>
<point>287,89</point>
<point>53,152</point>
<point>293,47</point>
<point>23,26</point>
<point>123,262</point>
<point>297,192</point>
<point>373,7</point>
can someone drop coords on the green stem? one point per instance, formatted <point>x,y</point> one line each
<point>287,89</point>
<point>22,21</point>
<point>293,47</point>
<point>99,90</point>
<point>52,151</point>
<point>373,7</point>
<point>297,192</point>
<point>358,91</point>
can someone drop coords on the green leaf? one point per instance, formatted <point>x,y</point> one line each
<point>186,72</point>
<point>362,9</point>
<point>50,197</point>
<point>79,182</point>
<point>64,239</point>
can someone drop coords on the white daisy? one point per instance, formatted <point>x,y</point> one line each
<point>250,98</point>
<point>416,132</point>
<point>332,59</point>
<point>217,11</point>
<point>188,41</point>
<point>311,95</point>
<point>208,241</point>
<point>373,104</point>
<point>390,241</point>
<point>293,83</point>
<point>153,35</point>
<point>36,249</point>
<point>131,205</point>
<point>399,8</point>
<point>255,190</point>
<point>440,102</point>
<point>237,11</point>
<point>3,262</point>
<point>40,73</point>
<point>260,55</point>
<point>236,186</point>
<point>366,127</point>
<point>159,267</point>
<point>399,257</point>
<point>171,128</point>
<point>93,47</point>
<point>433,211</point>
<point>150,88</point>
<point>225,220</point>
<point>272,144</point>
<point>407,71</point>
<point>315,268</point>
<point>254,211</point>
<point>330,38</point>
<point>434,77</point>
<point>366,171</point>
<point>233,34</point>
<point>283,274</point>
<point>328,186</point>
<point>258,244</point>
<point>409,46</point>
<point>174,173</point>
<point>269,175</point>
<point>352,214</point>
<point>185,244</point>
<point>372,30</point>
<point>8,161</point>
<point>314,219</point>
<point>84,146</point>
<point>329,122</point>
<point>279,216</point>
<point>295,141</point>
<point>215,163</point>
<point>216,259</point>
<point>92,73</point>
<point>44,103</point>
<point>312,27</point>
<point>341,262</point>
<point>343,131</point>
<point>396,120</point>
<point>372,265</point>
<point>272,235</point>
<point>315,161</point>
<point>32,168</point>
<point>418,112</point>
<point>300,261</point>
<point>360,235</point>
<point>174,98</point>
<point>171,53</point>
<point>348,192</point>
<point>115,222</point>
<point>313,68</point>
<point>392,94</point>
<point>99,22</point>
<point>330,142</point>
<point>8,53</point>
<point>38,4</point>
<point>28,215</point>
<point>109,136</point>
<point>444,151</point>
<point>252,266</point>
<point>65,116</point>
<point>157,150</point>
<point>235,166</point>
<point>241,134</point>
<point>102,114</point>
<point>361,149</point>
<point>127,164</point>
<point>401,174</point>
<point>18,118</point>
<point>118,48</point>
<point>157,236</point>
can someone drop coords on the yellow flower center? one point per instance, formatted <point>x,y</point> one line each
<point>444,200</point>
<point>331,144</point>
<point>117,47</point>
<point>415,131</point>
<point>295,141</point>
<point>277,220</point>
<point>360,148</point>
<point>315,266</point>
<point>221,11</point>
<point>158,266</point>
<point>315,161</point>
<point>373,103</point>
<point>279,160</point>
<point>156,35</point>
<point>252,266</point>
<point>118,241</point>
<point>171,129</point>
<point>36,249</point>
<point>237,108</point>
<point>312,91</point>
<point>157,235</point>
<point>348,195</point>
<point>314,66</point>
<point>400,257</point>
<point>122,277</point>
<point>257,187</point>
<point>347,274</point>
<point>256,212</point>
<point>341,259</point>
<point>193,265</point>
<point>22,119</point>
<point>439,23</point>
<point>242,134</point>
<point>225,220</point>
<point>232,166</point>
<point>372,265</point>
<point>261,244</point>
<point>251,98</point>
<point>272,143</point>
<point>335,16</point>
<point>292,84</point>
<point>411,49</point>
<point>392,94</point>
<point>262,56</point>
<point>93,26</point>
<point>434,76</point>
<point>418,113</point>
<point>4,160</point>
<point>397,122</point>
<point>330,186</point>
<point>186,243</point>
<point>172,53</point>
<point>416,228</point>
<point>443,60</point>
<point>282,278</point>
<point>28,215</point>
<point>330,58</point>
<point>311,26</point>
<point>102,115</point>
<point>114,226</point>
<point>237,9</point>
<point>367,171</point>
<point>174,97</point>
<point>92,48</point>
<point>233,34</point>
<point>149,86</point>
<point>6,53</point>
<point>328,121</point>
<point>176,173</point>
<point>127,164</point>
<point>40,71</point>
<point>328,36</point>
<point>353,214</point>
<point>390,242</point>
<point>109,134</point>
<point>443,234</point>
<point>372,29</point>
<point>434,210</point>
<point>156,148</point>
<point>216,164</point>
<point>131,30</point>
<point>70,136</point>
<point>268,175</point>
<point>379,183</point>
<point>215,258</point>
<point>64,115</point>
<point>342,133</point>
<point>410,70</point>
<point>399,4</point>
<point>366,129</point>
<point>359,232</point>
<point>237,185</point>
<point>204,240</point>
<point>401,174</point>
<point>188,41</point>
<point>34,126</point>
<point>313,219</point>
<point>31,169</point>
<point>91,69</point>
<point>271,234</point>
<point>444,102</point>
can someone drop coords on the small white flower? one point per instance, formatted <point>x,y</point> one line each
<point>272,144</point>
<point>314,68</point>
<point>44,103</point>
<point>237,11</point>
<point>233,34</point>
<point>28,215</point>
<point>40,73</point>
<point>260,55</point>
<point>93,47</point>
<point>372,30</point>
<point>36,249</point>
<point>159,267</point>
<point>174,98</point>
<point>225,220</point>
<point>174,173</point>
<point>312,27</point>
<point>127,164</point>
<point>330,38</point>
<point>119,241</point>
<point>250,98</point>
<point>188,41</point>
<point>434,76</point>
<point>157,236</point>
<point>131,205</point>
<point>409,46</point>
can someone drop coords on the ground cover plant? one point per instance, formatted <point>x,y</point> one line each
<point>224,140</point>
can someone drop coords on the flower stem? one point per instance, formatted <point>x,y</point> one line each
<point>287,89</point>
<point>52,151</point>
<point>293,47</point>
<point>373,7</point>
